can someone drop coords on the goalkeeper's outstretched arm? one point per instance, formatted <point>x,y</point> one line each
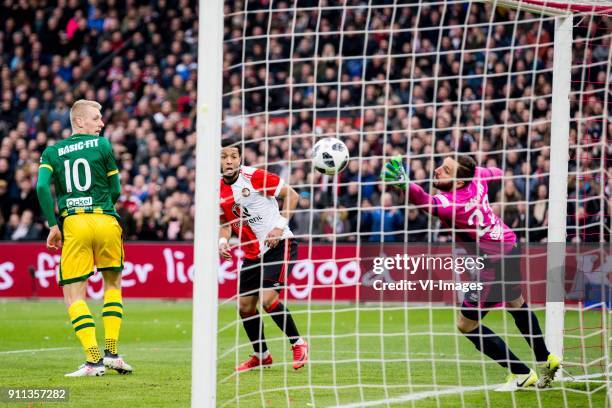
<point>422,199</point>
<point>395,175</point>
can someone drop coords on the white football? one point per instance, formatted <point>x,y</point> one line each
<point>330,156</point>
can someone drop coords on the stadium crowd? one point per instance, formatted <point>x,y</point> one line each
<point>383,94</point>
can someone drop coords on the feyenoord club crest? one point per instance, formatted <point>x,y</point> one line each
<point>240,211</point>
<point>246,192</point>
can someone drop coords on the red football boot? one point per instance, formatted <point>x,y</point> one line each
<point>254,362</point>
<point>300,355</point>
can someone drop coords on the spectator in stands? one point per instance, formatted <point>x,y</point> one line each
<point>334,223</point>
<point>385,221</point>
<point>538,212</point>
<point>23,229</point>
<point>416,225</point>
<point>11,226</point>
<point>509,196</point>
<point>303,217</point>
<point>140,63</point>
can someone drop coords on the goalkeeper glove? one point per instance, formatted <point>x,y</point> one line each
<point>394,173</point>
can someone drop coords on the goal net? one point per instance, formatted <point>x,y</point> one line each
<point>423,80</point>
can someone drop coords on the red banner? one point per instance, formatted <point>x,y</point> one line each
<point>322,272</point>
<point>165,270</point>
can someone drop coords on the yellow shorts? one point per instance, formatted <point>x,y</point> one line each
<point>90,240</point>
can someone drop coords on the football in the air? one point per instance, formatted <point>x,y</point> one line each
<point>330,156</point>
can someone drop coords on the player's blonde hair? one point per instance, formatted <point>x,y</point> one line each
<point>78,108</point>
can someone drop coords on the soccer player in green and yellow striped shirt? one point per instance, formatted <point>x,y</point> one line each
<point>86,180</point>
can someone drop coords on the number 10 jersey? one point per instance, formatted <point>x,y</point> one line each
<point>81,166</point>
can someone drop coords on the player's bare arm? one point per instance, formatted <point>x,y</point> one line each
<point>225,233</point>
<point>290,200</point>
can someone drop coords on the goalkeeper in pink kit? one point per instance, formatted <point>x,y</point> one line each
<point>463,205</point>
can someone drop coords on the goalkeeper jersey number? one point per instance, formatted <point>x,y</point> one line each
<point>81,166</point>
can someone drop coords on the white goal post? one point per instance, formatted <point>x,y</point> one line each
<point>559,149</point>
<point>206,258</point>
<point>559,153</point>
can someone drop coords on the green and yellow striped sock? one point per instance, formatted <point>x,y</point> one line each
<point>112,313</point>
<point>85,329</point>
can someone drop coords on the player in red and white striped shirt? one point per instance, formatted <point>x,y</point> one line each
<point>249,209</point>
